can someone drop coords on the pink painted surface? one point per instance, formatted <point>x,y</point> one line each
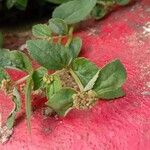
<point>123,124</point>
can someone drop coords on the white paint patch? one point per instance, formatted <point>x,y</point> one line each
<point>146,93</point>
<point>5,134</point>
<point>146,29</point>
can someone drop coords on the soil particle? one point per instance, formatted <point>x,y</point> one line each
<point>16,40</point>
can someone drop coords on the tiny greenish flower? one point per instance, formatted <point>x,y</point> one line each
<point>84,100</point>
<point>47,79</point>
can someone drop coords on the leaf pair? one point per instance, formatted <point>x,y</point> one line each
<point>55,25</point>
<point>106,82</point>
<point>18,60</point>
<point>54,56</point>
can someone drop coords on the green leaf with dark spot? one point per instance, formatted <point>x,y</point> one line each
<point>17,107</point>
<point>50,55</point>
<point>15,59</point>
<point>58,26</point>
<point>41,31</point>
<point>75,46</point>
<point>37,77</point>
<point>111,77</point>
<point>62,101</point>
<point>84,69</point>
<point>74,11</point>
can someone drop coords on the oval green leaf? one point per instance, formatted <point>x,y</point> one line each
<point>111,77</point>
<point>37,77</point>
<point>58,26</point>
<point>62,101</point>
<point>74,11</point>
<point>49,55</point>
<point>75,46</point>
<point>84,69</point>
<point>41,31</point>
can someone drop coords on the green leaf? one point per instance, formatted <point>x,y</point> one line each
<point>99,12</point>
<point>62,101</point>
<point>122,2</point>
<point>3,75</point>
<point>75,46</point>
<point>1,40</point>
<point>37,77</point>
<point>74,11</point>
<point>58,26</point>
<point>111,77</point>
<point>10,3</point>
<point>15,59</point>
<point>54,86</point>
<point>41,31</point>
<point>21,4</point>
<point>111,94</point>
<point>28,91</point>
<point>50,55</point>
<point>91,83</point>
<point>84,69</point>
<point>17,107</point>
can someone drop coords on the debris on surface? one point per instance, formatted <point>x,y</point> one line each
<point>5,134</point>
<point>146,28</point>
<point>67,79</point>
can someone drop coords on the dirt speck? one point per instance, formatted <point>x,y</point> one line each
<point>5,134</point>
<point>146,29</point>
<point>93,31</point>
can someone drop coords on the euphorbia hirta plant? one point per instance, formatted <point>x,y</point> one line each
<point>76,82</point>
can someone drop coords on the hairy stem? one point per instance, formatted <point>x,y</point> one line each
<point>70,36</point>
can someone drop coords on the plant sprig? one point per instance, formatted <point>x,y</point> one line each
<point>77,83</point>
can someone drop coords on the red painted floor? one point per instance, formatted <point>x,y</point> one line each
<point>123,124</point>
